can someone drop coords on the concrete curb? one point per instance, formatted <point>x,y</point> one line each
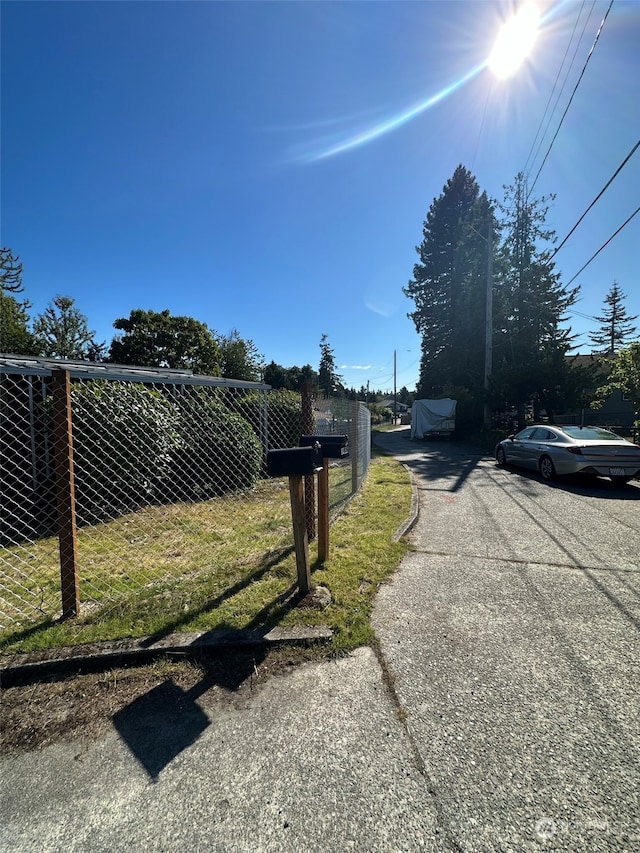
<point>414,512</point>
<point>99,655</point>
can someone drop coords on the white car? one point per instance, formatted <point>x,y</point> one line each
<point>558,450</point>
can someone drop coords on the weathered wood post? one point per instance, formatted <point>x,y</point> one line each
<point>300,538</point>
<point>65,493</point>
<point>323,512</point>
<point>309,480</point>
<point>297,463</point>
<point>330,447</point>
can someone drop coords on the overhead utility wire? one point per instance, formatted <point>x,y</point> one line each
<point>584,68</point>
<point>602,191</point>
<point>546,109</point>
<point>594,256</point>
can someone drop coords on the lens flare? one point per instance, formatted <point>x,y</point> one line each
<point>515,41</point>
<point>322,150</point>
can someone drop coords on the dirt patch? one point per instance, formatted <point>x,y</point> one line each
<point>81,705</point>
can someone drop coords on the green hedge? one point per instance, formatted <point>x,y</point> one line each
<point>124,439</point>
<point>284,413</point>
<point>218,452</point>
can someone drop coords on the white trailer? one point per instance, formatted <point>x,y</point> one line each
<point>433,417</point>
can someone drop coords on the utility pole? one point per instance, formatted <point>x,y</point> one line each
<point>395,395</point>
<point>488,331</point>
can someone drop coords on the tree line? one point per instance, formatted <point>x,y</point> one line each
<point>149,338</point>
<point>145,338</point>
<point>491,308</point>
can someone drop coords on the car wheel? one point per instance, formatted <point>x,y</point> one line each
<point>621,481</point>
<point>547,471</point>
<point>501,457</point>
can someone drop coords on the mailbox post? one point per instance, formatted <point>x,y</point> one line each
<point>296,463</point>
<point>331,447</point>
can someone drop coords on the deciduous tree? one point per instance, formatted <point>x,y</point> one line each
<point>158,339</point>
<point>625,377</point>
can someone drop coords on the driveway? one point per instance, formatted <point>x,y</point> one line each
<point>511,633</point>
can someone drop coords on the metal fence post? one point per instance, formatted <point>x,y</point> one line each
<point>356,452</point>
<point>65,493</point>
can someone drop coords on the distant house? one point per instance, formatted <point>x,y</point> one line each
<point>616,412</point>
<point>394,406</point>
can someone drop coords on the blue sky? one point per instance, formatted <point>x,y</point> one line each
<point>268,166</point>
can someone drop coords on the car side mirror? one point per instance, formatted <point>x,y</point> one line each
<point>511,437</point>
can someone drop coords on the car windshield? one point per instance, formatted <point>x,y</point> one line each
<point>591,434</point>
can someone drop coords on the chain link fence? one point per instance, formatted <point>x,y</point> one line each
<point>116,482</point>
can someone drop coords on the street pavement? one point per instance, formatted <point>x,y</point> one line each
<point>499,713</point>
<point>512,633</point>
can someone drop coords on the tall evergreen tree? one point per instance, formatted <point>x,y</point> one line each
<point>449,287</point>
<point>530,342</point>
<point>10,272</point>
<point>615,324</point>
<point>328,380</point>
<point>62,331</point>
<point>240,358</point>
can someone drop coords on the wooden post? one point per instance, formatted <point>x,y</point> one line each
<point>300,539</point>
<point>309,480</point>
<point>65,493</point>
<point>323,512</point>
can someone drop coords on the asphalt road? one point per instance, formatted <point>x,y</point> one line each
<point>501,716</point>
<point>512,632</point>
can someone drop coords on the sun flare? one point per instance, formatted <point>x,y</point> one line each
<point>515,41</point>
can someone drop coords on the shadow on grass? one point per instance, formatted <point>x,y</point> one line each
<point>25,633</point>
<point>175,625</point>
<point>172,625</point>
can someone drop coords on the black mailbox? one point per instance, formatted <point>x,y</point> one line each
<point>292,461</point>
<point>333,446</point>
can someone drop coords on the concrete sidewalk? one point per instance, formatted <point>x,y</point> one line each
<point>317,760</point>
<point>501,716</point>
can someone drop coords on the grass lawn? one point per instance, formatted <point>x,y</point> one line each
<point>226,563</point>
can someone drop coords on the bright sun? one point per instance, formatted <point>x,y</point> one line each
<point>514,42</point>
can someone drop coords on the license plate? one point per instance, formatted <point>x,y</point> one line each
<point>616,472</point>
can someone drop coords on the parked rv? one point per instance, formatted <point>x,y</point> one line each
<point>433,417</point>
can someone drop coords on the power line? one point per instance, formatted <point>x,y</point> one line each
<point>600,194</point>
<point>584,68</point>
<point>579,314</point>
<point>564,58</point>
<point>595,255</point>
